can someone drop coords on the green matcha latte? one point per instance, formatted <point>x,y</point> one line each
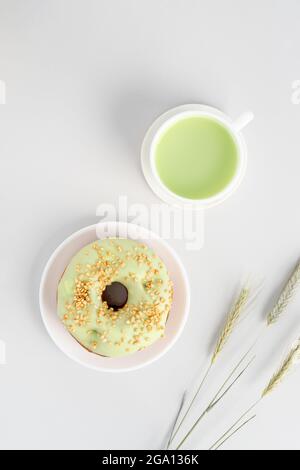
<point>196,157</point>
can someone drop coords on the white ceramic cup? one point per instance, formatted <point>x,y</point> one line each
<point>168,119</point>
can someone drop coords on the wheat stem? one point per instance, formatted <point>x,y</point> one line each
<point>213,402</point>
<point>235,424</point>
<point>173,435</point>
<point>232,319</point>
<point>234,432</point>
<point>218,399</point>
<point>291,359</point>
<point>175,422</point>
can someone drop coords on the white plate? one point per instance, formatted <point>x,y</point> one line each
<point>55,268</point>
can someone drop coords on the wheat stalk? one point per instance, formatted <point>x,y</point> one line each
<point>232,320</point>
<point>273,316</point>
<point>214,402</point>
<point>229,436</point>
<point>292,358</point>
<point>286,296</point>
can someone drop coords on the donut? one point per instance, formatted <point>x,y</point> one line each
<point>115,297</point>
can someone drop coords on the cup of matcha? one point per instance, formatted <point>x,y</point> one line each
<point>195,155</point>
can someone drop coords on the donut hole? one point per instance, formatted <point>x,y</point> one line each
<point>115,295</point>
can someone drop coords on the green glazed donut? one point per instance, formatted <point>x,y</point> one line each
<point>115,297</point>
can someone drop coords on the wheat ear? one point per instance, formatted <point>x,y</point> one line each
<point>286,296</point>
<point>232,320</point>
<point>292,358</point>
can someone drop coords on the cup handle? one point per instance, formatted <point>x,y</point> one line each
<point>2,92</point>
<point>243,120</point>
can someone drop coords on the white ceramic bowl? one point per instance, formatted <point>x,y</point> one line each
<point>55,268</point>
<point>166,120</point>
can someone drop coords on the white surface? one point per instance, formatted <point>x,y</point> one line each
<point>84,80</point>
<point>55,268</point>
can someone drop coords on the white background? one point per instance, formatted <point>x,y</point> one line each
<point>85,78</point>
